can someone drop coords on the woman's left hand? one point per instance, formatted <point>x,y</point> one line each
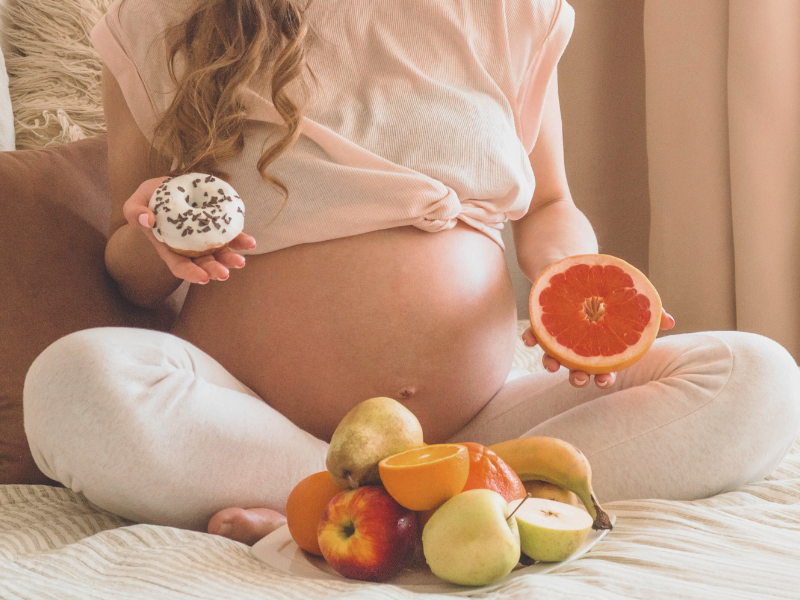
<point>581,378</point>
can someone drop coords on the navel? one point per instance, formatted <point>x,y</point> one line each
<point>406,392</point>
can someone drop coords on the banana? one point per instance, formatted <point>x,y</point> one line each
<point>555,461</point>
<point>542,489</point>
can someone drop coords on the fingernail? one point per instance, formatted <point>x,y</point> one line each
<point>203,282</point>
<point>225,529</point>
<point>143,220</point>
<point>602,384</point>
<point>581,379</point>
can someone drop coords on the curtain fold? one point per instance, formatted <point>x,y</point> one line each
<point>723,144</point>
<point>764,125</point>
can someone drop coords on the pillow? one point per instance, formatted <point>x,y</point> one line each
<point>55,211</point>
<point>7,141</point>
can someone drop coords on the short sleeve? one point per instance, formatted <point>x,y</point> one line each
<point>539,31</point>
<point>130,40</point>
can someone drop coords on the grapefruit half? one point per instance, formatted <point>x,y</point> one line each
<point>594,313</point>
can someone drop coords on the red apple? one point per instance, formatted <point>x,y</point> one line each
<point>365,534</point>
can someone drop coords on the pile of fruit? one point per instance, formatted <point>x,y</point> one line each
<point>470,509</point>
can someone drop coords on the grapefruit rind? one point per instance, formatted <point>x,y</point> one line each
<point>595,365</point>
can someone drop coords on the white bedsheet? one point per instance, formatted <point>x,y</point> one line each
<point>739,545</point>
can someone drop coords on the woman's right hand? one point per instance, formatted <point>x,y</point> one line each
<point>194,270</point>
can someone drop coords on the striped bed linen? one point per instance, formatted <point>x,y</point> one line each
<point>738,545</point>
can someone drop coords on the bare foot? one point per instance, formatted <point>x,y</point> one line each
<point>245,525</point>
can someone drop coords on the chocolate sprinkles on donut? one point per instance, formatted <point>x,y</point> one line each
<point>195,206</point>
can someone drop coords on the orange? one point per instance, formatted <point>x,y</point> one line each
<point>304,508</point>
<point>423,478</point>
<point>594,313</point>
<point>489,471</point>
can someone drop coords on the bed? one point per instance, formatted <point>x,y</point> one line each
<point>743,544</point>
<point>738,545</point>
<point>55,544</point>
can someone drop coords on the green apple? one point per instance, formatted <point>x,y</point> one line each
<point>470,539</point>
<point>550,531</point>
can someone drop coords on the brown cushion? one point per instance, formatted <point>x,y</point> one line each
<point>55,210</point>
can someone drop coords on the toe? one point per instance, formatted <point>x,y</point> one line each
<point>245,525</point>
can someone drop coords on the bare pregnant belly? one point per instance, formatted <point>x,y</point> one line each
<point>428,319</point>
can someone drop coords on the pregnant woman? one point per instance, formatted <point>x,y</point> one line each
<point>379,148</point>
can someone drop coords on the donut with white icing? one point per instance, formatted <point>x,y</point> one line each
<point>196,214</point>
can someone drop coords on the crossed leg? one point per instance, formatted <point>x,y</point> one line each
<point>151,428</point>
<point>699,414</point>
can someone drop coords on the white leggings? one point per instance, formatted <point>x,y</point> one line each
<point>151,428</point>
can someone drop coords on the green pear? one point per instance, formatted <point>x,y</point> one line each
<point>470,539</point>
<point>371,431</point>
<point>550,531</point>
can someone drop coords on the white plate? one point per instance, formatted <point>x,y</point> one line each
<point>279,550</point>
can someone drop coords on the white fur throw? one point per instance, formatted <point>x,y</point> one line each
<point>54,73</point>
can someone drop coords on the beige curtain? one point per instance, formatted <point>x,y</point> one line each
<point>723,146</point>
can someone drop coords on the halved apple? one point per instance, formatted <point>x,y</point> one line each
<point>550,531</point>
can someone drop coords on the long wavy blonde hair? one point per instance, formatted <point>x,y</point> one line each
<point>224,44</point>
